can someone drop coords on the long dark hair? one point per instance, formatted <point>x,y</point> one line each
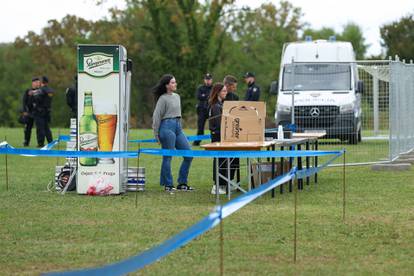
<point>215,91</point>
<point>160,88</point>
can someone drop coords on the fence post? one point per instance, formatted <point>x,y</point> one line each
<point>375,91</point>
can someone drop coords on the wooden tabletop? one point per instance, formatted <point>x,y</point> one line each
<point>238,145</point>
<point>314,135</point>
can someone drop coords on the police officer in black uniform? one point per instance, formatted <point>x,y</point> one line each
<point>72,97</point>
<point>203,93</point>
<point>253,90</point>
<point>28,110</point>
<point>41,112</point>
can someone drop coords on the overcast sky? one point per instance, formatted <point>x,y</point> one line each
<point>17,17</point>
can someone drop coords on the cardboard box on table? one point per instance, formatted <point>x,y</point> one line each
<point>262,172</point>
<point>243,121</point>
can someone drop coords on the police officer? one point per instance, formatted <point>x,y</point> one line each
<point>72,97</point>
<point>28,110</point>
<point>253,90</point>
<point>203,93</point>
<point>41,112</point>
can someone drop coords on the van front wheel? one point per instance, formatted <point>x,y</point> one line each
<point>353,138</point>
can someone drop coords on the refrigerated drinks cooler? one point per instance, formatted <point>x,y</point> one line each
<point>104,77</point>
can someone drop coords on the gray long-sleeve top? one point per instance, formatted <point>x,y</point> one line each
<point>168,106</point>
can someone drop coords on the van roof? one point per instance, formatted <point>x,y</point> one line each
<point>318,51</point>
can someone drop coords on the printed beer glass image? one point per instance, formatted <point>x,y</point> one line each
<point>106,116</point>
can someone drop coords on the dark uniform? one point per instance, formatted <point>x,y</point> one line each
<point>27,108</point>
<point>214,124</point>
<point>252,92</point>
<point>203,93</point>
<point>72,98</point>
<point>232,97</point>
<point>41,114</point>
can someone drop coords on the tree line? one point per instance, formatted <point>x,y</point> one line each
<point>184,37</point>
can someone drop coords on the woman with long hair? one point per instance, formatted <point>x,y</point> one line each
<point>166,123</point>
<point>215,102</point>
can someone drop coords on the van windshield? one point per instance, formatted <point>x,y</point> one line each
<point>316,76</point>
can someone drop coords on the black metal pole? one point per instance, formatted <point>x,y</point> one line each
<point>221,247</point>
<point>7,171</point>
<point>295,188</point>
<point>136,192</point>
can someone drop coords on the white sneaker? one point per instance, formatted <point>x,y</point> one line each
<point>221,190</point>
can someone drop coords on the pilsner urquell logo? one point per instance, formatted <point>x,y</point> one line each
<point>98,64</point>
<point>236,128</point>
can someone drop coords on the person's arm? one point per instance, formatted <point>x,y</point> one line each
<point>247,97</point>
<point>157,117</point>
<point>256,93</point>
<point>198,93</point>
<point>25,102</point>
<point>215,119</point>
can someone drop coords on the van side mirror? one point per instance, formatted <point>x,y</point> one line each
<point>360,87</point>
<point>274,86</point>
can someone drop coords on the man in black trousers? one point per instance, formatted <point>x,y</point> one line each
<point>203,92</point>
<point>41,112</point>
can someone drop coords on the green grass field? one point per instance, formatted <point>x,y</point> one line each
<point>44,231</point>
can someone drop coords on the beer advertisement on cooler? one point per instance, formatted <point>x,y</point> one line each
<point>102,126</point>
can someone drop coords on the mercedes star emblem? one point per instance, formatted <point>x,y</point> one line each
<point>315,112</point>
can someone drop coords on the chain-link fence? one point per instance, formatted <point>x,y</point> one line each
<point>365,107</point>
<point>401,108</point>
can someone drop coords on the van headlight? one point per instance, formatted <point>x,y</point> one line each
<point>346,108</point>
<point>283,108</point>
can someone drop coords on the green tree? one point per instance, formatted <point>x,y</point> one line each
<point>353,33</point>
<point>323,33</point>
<point>188,40</point>
<point>398,37</point>
<point>255,43</point>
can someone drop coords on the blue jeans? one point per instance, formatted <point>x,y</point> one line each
<point>172,137</point>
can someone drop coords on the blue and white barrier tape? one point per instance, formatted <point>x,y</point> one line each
<point>156,253</point>
<point>166,152</point>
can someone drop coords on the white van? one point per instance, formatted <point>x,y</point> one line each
<point>327,91</point>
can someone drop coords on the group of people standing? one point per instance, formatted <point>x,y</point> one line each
<point>36,109</point>
<point>167,122</point>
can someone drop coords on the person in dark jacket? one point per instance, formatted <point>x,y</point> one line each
<point>28,110</point>
<point>253,90</point>
<point>231,85</point>
<point>72,97</point>
<point>41,104</point>
<point>50,93</point>
<point>215,102</point>
<point>203,93</point>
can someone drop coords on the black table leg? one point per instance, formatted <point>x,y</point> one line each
<point>273,169</point>
<point>307,162</point>
<point>282,168</point>
<point>291,165</point>
<point>316,161</point>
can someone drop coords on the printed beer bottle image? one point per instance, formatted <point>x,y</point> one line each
<point>88,132</point>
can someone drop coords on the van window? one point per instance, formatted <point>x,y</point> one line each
<point>317,76</point>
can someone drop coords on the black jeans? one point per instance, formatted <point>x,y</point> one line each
<point>28,130</point>
<point>234,164</point>
<point>43,130</point>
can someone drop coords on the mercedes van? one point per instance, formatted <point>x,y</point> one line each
<point>319,79</point>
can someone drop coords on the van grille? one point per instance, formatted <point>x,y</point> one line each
<point>316,116</point>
